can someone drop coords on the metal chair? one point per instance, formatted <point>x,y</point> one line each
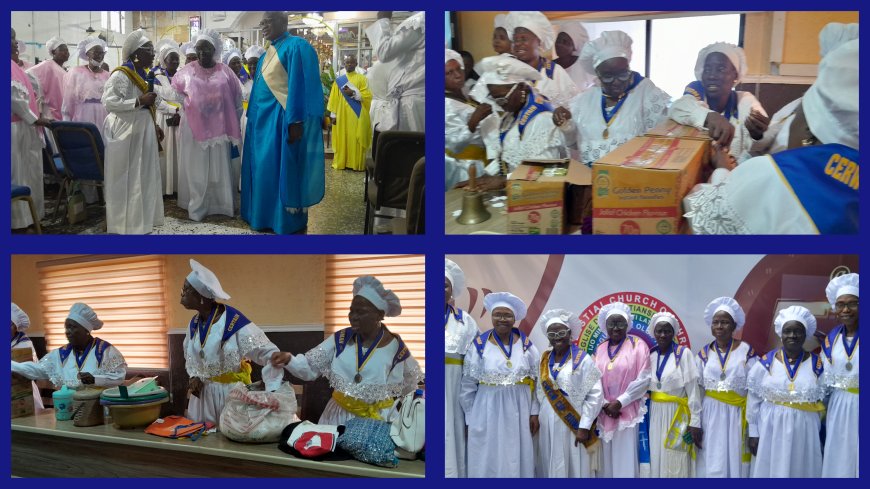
<point>397,152</point>
<point>82,154</point>
<point>416,207</point>
<point>22,193</point>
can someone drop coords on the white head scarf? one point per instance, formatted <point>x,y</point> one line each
<point>164,48</point>
<point>86,44</point>
<point>728,305</point>
<point>233,53</point>
<point>614,309</point>
<point>205,282</point>
<point>795,313</point>
<point>508,300</point>
<point>834,35</point>
<point>451,54</point>
<point>454,274</point>
<point>20,318</point>
<point>134,41</point>
<point>188,48</point>
<point>534,21</point>
<point>840,286</point>
<point>734,54</point>
<point>505,69</point>
<point>213,37</point>
<point>577,33</point>
<point>499,21</point>
<point>666,317</point>
<point>54,43</point>
<point>561,316</point>
<point>373,290</point>
<point>611,44</point>
<point>84,316</point>
<point>254,51</point>
<point>831,103</point>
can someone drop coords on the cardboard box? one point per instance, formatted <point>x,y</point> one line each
<point>537,195</point>
<point>673,129</point>
<point>638,188</point>
<point>22,405</point>
<point>22,387</point>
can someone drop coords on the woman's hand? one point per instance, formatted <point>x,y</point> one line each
<point>147,99</point>
<point>480,113</point>
<point>613,409</point>
<point>43,122</point>
<point>752,443</point>
<point>195,386</point>
<point>160,135</point>
<point>580,436</point>
<point>720,128</point>
<point>280,358</point>
<point>534,425</point>
<point>561,115</point>
<point>697,436</point>
<point>720,157</point>
<point>173,120</point>
<point>757,123</point>
<point>86,378</point>
<point>486,183</point>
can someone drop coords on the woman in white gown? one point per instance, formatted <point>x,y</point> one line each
<point>569,43</point>
<point>20,323</point>
<point>219,347</point>
<point>723,365</point>
<point>569,392</point>
<point>840,360</point>
<point>459,330</point>
<point>94,361</point>
<point>83,85</point>
<point>785,402</point>
<point>168,112</point>
<point>497,395</point>
<point>368,367</point>
<point>675,410</point>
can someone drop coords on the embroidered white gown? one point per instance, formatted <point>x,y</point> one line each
<point>457,137</point>
<point>541,139</point>
<point>27,344</point>
<point>457,338</point>
<point>841,422</point>
<point>108,373</point>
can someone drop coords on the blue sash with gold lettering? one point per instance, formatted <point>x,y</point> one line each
<point>828,345</point>
<point>549,67</point>
<point>18,338</point>
<point>556,397</point>
<point>356,105</point>
<point>696,89</point>
<point>481,339</point>
<point>534,107</point>
<point>824,179</point>
<point>99,348</point>
<point>234,322</point>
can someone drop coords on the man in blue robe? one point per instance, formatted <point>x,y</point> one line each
<point>283,171</point>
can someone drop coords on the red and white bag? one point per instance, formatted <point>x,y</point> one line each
<point>257,416</point>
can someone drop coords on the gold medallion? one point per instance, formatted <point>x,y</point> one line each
<point>791,386</point>
<point>509,364</point>
<point>610,366</point>
<point>606,133</point>
<point>357,378</point>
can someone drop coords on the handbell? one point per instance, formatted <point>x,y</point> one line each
<point>473,209</point>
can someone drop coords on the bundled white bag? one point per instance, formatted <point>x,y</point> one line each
<point>257,416</point>
<point>408,426</point>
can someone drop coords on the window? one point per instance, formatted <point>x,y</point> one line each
<point>113,21</point>
<point>128,295</point>
<point>404,274</point>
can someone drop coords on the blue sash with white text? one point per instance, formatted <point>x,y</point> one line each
<point>535,106</point>
<point>356,105</point>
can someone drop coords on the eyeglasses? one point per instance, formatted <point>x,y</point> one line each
<point>557,335</point>
<point>852,305</point>
<point>624,76</point>
<point>502,317</point>
<point>618,325</point>
<point>501,101</point>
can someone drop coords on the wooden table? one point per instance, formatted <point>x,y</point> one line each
<point>497,224</point>
<point>43,447</point>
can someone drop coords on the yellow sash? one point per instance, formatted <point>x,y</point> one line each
<point>360,408</point>
<point>677,432</point>
<point>471,152</point>
<point>243,375</point>
<point>275,76</point>
<point>853,390</point>
<point>813,407</point>
<point>529,382</point>
<point>453,361</point>
<point>140,84</point>
<point>734,399</point>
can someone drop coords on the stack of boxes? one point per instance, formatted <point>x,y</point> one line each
<point>22,388</point>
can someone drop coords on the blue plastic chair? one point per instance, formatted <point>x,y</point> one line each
<point>82,154</point>
<point>20,192</point>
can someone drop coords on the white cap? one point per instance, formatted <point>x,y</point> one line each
<point>20,318</point>
<point>255,51</point>
<point>577,33</point>
<point>188,48</point>
<point>212,37</point>
<point>499,21</point>
<point>373,290</point>
<point>614,309</point>
<point>505,69</point>
<point>54,43</point>
<point>86,44</point>
<point>795,313</point>
<point>831,103</point>
<point>534,21</point>
<point>164,48</point>
<point>451,54</point>
<point>843,285</point>
<point>666,317</point>
<point>134,41</point>
<point>560,316</point>
<point>728,305</point>
<point>508,300</point>
<point>734,54</point>
<point>609,45</point>
<point>84,316</point>
<point>205,282</point>
<point>834,35</point>
<point>454,274</point>
<point>232,53</point>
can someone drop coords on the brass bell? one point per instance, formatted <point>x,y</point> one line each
<point>473,209</point>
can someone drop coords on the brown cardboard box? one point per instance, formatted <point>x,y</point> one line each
<point>22,405</point>
<point>638,188</point>
<point>673,129</point>
<point>537,195</point>
<point>22,388</point>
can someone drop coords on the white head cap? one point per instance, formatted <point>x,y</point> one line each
<point>795,313</point>
<point>614,309</point>
<point>831,103</point>
<point>212,37</point>
<point>373,290</point>
<point>54,43</point>
<point>205,282</point>
<point>456,277</point>
<point>728,305</point>
<point>86,44</point>
<point>20,318</point>
<point>734,54</point>
<point>499,21</point>
<point>164,48</point>
<point>666,317</point>
<point>451,54</point>
<point>577,33</point>
<point>508,300</point>
<point>834,35</point>
<point>255,51</point>
<point>188,48</point>
<point>505,69</point>
<point>84,316</point>
<point>134,41</point>
<point>840,286</point>
<point>534,21</point>
<point>560,316</point>
<point>611,44</point>
<point>232,53</point>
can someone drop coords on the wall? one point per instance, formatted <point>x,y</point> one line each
<point>799,47</point>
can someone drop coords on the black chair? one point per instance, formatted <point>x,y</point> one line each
<point>82,154</point>
<point>416,207</point>
<point>397,152</point>
<point>53,171</point>
<point>22,193</point>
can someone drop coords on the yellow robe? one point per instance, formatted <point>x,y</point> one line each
<point>352,135</point>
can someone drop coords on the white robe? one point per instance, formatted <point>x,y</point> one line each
<point>37,397</point>
<point>208,173</point>
<point>379,381</point>
<point>789,443</point>
<point>26,146</point>
<point>108,373</point>
<point>556,456</point>
<point>775,138</point>
<point>645,107</point>
<point>457,338</point>
<point>497,410</point>
<point>581,78</point>
<point>560,89</point>
<point>212,359</point>
<point>841,422</point>
<point>681,381</point>
<point>541,139</point>
<point>134,198</point>
<point>692,112</point>
<point>723,442</point>
<point>457,137</point>
<point>169,166</point>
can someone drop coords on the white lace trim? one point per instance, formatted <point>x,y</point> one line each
<point>780,395</point>
<point>216,141</point>
<point>840,381</point>
<point>737,384</point>
<point>321,362</point>
<point>577,394</point>
<point>20,86</point>
<point>112,364</point>
<point>229,360</point>
<point>628,423</point>
<point>709,211</point>
<point>478,373</point>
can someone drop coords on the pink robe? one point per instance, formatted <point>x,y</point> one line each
<point>50,76</point>
<point>212,102</point>
<point>630,364</point>
<point>82,91</point>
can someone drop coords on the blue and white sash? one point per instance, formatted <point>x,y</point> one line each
<point>356,105</point>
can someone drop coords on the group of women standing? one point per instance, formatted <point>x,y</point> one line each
<point>724,412</point>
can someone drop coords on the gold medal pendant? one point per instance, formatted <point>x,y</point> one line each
<point>849,366</point>
<point>509,364</point>
<point>606,133</point>
<point>610,366</point>
<point>202,354</point>
<point>357,378</point>
<point>791,386</point>
<point>722,376</point>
